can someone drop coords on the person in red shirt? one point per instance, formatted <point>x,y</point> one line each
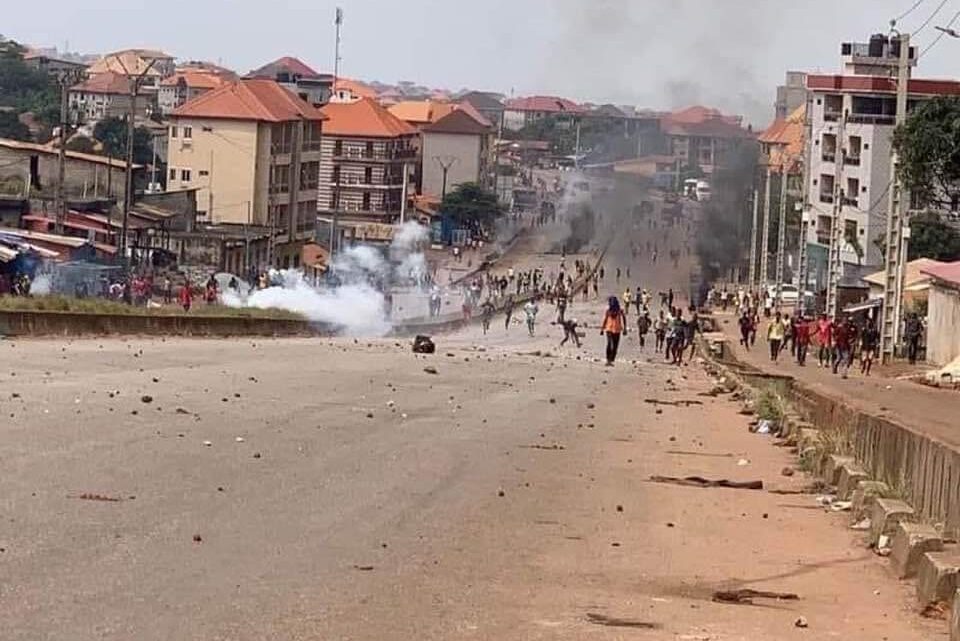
<point>186,296</point>
<point>842,343</point>
<point>801,339</point>
<point>824,331</point>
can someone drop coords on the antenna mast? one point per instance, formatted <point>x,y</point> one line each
<point>338,21</point>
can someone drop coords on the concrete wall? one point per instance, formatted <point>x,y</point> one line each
<point>467,150</point>
<point>82,176</point>
<point>943,321</point>
<point>221,156</point>
<point>24,323</point>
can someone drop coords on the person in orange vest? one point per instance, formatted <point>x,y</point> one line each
<point>614,324</point>
<point>186,296</point>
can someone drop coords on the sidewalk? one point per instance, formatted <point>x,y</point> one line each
<point>924,410</point>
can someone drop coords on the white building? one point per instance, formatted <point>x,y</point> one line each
<point>854,113</point>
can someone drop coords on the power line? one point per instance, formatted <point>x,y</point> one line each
<point>909,11</point>
<point>930,17</point>
<point>942,34</point>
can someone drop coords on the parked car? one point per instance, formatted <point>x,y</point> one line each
<point>789,293</point>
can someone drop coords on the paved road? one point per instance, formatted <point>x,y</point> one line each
<point>505,497</point>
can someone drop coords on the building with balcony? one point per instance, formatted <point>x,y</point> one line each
<point>523,112</point>
<point>368,155</point>
<point>701,137</point>
<point>852,120</point>
<point>251,150</point>
<point>105,95</point>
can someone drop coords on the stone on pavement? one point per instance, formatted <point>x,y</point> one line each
<point>886,515</point>
<point>850,475</point>
<point>910,542</point>
<point>937,577</point>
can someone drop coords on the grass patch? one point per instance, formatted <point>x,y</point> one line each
<point>101,306</point>
<point>770,405</point>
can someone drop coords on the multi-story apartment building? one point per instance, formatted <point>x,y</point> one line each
<point>105,95</point>
<point>251,150</point>
<point>368,155</point>
<point>791,95</point>
<point>521,112</point>
<point>852,121</point>
<point>700,136</point>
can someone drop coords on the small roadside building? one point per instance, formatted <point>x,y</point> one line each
<point>943,313</point>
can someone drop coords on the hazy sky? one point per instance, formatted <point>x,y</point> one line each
<point>653,53</point>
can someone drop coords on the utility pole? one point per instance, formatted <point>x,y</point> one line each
<point>898,231</point>
<point>576,149</point>
<point>338,23</point>
<point>802,260</point>
<point>445,162</point>
<point>403,195</point>
<point>754,232</point>
<point>835,263</point>
<point>765,239</point>
<point>60,204</point>
<point>781,230</point>
<point>131,131</point>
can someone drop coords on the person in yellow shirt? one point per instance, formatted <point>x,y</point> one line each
<point>776,332</point>
<point>626,300</point>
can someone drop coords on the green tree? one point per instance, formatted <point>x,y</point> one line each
<point>928,144</point>
<point>23,88</point>
<point>931,237</point>
<point>11,127</point>
<point>82,144</point>
<point>472,206</point>
<point>112,133</point>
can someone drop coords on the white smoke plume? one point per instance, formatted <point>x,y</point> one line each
<point>356,305</point>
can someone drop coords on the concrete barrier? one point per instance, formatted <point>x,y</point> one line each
<point>54,323</point>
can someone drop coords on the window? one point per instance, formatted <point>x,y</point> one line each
<point>173,131</point>
<point>188,132</point>
<point>369,150</point>
<point>368,176</point>
<point>204,172</point>
<point>366,201</point>
<point>173,173</point>
<point>334,201</point>
<point>309,175</point>
<point>338,148</point>
<point>185,175</point>
<point>336,175</point>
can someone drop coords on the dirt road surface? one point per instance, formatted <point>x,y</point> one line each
<point>334,489</point>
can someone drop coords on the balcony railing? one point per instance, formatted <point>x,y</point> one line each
<point>852,160</point>
<point>823,238</point>
<point>851,202</point>
<point>871,119</point>
<point>357,154</point>
<point>829,156</point>
<point>831,116</point>
<point>826,198</point>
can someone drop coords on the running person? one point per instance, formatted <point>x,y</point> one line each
<point>869,341</point>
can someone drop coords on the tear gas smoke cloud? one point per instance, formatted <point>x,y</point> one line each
<point>355,306</point>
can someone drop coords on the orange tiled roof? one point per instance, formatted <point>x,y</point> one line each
<point>786,139</point>
<point>196,79</point>
<point>548,104</point>
<point>357,88</point>
<point>129,62</point>
<point>363,118</point>
<point>464,119</point>
<point>250,99</point>
<point>421,112</point>
<point>107,83</point>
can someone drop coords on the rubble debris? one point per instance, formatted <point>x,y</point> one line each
<point>181,410</point>
<point>699,481</point>
<point>430,370</point>
<point>787,471</point>
<point>146,398</point>
<point>554,447</point>
<point>197,538</point>
<point>613,622</point>
<point>363,568</point>
<point>936,610</point>
<point>88,496</point>
<point>707,454</point>
<point>801,622</point>
<point>683,402</point>
<point>747,595</point>
<point>423,345</point>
